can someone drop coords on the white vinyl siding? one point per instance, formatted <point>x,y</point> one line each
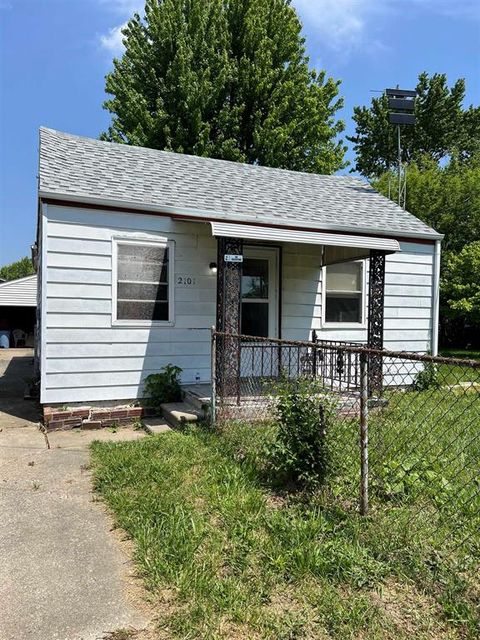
<point>85,357</point>
<point>19,293</point>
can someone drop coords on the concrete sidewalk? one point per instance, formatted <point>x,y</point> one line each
<point>63,574</point>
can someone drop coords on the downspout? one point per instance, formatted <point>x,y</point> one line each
<point>436,298</point>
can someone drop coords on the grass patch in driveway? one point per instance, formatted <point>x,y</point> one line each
<point>227,557</point>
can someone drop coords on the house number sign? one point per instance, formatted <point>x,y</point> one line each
<point>232,258</point>
<point>186,281</point>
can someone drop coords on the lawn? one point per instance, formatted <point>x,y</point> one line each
<point>464,354</point>
<point>226,553</point>
<point>455,374</point>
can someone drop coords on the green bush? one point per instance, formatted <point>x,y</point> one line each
<point>164,386</point>
<point>300,452</point>
<point>427,378</point>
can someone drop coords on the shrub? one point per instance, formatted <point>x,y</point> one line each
<point>164,386</point>
<point>427,378</point>
<point>300,452</point>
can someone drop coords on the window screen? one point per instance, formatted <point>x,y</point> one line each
<point>142,282</point>
<point>343,292</point>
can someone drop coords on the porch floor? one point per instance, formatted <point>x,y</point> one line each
<point>257,405</point>
<point>199,394</point>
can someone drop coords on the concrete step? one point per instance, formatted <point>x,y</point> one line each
<point>197,399</point>
<point>156,425</point>
<point>178,414</point>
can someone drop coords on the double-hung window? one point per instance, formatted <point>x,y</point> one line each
<point>344,298</point>
<point>143,282</point>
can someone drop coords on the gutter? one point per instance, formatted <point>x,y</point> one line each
<point>212,216</point>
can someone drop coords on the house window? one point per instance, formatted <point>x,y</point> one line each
<point>143,287</point>
<point>344,293</point>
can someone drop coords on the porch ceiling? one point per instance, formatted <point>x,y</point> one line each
<point>336,247</point>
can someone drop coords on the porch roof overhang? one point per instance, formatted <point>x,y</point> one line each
<point>336,247</point>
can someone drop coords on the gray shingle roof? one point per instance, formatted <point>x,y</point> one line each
<point>76,168</point>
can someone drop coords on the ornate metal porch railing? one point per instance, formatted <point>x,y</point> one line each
<point>268,359</point>
<point>246,366</point>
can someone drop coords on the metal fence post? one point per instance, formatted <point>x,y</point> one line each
<point>363,434</point>
<point>213,399</point>
<point>239,368</point>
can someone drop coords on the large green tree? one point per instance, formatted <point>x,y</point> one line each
<point>443,128</point>
<point>19,269</point>
<point>461,284</point>
<point>445,197</point>
<point>226,79</point>
<point>448,199</point>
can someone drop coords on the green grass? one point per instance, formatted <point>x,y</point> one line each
<point>464,354</point>
<point>450,374</point>
<point>225,554</point>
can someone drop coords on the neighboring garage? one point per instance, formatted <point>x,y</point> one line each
<point>18,302</point>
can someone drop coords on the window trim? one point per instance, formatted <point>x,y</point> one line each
<point>346,325</point>
<point>142,241</point>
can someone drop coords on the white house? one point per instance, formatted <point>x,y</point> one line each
<point>133,241</point>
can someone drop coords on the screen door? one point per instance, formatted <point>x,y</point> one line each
<point>259,315</point>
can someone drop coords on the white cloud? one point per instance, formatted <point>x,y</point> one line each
<point>347,26</point>
<point>341,25</point>
<point>112,41</point>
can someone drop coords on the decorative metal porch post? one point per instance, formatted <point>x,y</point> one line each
<point>229,282</point>
<point>376,304</point>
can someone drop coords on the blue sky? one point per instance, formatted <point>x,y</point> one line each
<point>54,55</point>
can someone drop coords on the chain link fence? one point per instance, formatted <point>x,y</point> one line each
<point>409,447</point>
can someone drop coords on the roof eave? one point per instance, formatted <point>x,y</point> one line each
<point>208,214</point>
<point>7,282</point>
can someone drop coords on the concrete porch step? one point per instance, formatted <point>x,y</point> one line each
<point>198,396</point>
<point>156,425</point>
<point>178,414</point>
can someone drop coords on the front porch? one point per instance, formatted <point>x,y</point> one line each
<point>264,363</point>
<point>252,405</point>
<point>249,303</point>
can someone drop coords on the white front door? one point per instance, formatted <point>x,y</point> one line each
<point>259,315</point>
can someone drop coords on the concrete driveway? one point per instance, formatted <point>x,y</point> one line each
<point>16,369</point>
<point>63,574</point>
